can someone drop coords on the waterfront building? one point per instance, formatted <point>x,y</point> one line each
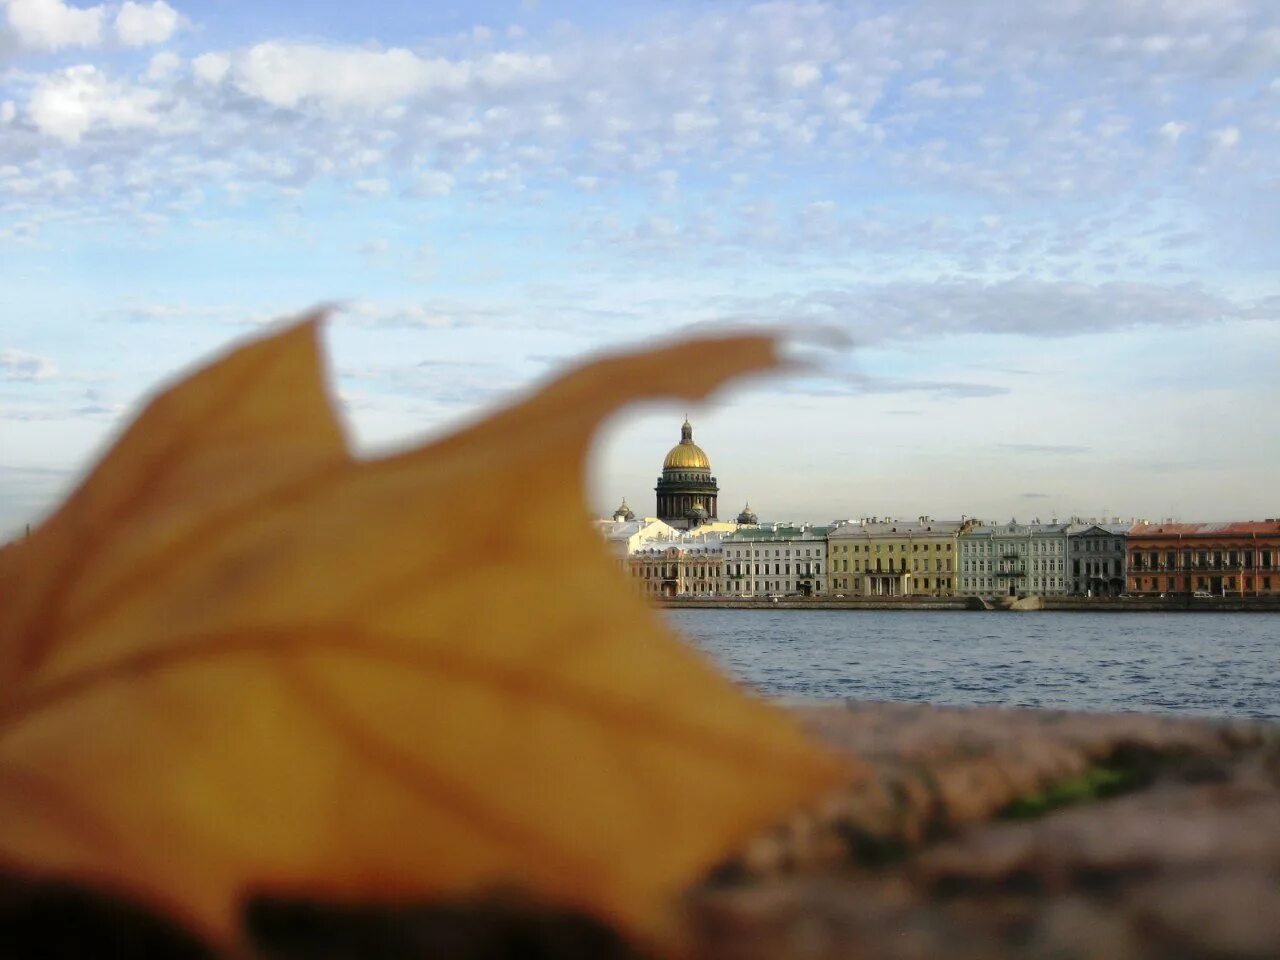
<point>1097,557</point>
<point>775,559</point>
<point>1222,559</point>
<point>683,565</point>
<point>623,536</point>
<point>874,557</point>
<point>687,493</point>
<point>1014,559</point>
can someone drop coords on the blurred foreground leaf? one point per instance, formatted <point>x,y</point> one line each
<point>238,661</point>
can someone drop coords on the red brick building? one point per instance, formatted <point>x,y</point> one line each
<point>1223,559</point>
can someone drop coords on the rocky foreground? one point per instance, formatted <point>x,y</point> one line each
<point>985,833</point>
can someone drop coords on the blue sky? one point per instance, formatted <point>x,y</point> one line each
<point>1049,232</point>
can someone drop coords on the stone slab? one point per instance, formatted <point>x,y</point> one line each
<point>920,858</point>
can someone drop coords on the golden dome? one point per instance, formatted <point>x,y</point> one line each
<point>686,455</point>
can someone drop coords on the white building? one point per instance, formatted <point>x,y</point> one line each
<point>775,559</point>
<point>625,534</point>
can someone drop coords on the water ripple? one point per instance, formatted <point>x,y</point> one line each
<point>1220,665</point>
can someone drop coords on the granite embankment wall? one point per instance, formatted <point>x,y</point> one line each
<point>984,834</point>
<point>1053,604</point>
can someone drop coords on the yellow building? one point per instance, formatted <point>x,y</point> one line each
<point>894,558</point>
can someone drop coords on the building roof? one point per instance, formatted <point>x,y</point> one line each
<point>1236,528</point>
<point>686,543</point>
<point>778,532</point>
<point>875,529</point>
<point>1015,529</point>
<point>1081,527</point>
<point>626,529</point>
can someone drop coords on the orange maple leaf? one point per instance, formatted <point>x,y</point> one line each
<point>240,661</point>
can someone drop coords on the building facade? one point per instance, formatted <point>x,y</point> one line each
<point>1097,556</point>
<point>623,536</point>
<point>1014,559</point>
<point>894,558</point>
<point>687,493</point>
<point>775,560</point>
<point>1220,559</point>
<point>684,566</point>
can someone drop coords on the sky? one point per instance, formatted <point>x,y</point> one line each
<point>1047,231</point>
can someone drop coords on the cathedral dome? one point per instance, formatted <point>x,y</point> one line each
<point>687,491</point>
<point>747,516</point>
<point>686,455</point>
<point>624,512</point>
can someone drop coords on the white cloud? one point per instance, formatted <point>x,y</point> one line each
<point>932,88</point>
<point>693,122</point>
<point>911,311</point>
<point>440,315</point>
<point>716,99</point>
<point>1225,139</point>
<point>52,24</point>
<point>433,183</point>
<point>70,102</point>
<point>287,74</point>
<point>141,25</point>
<point>797,76</point>
<point>210,68</point>
<point>163,65</point>
<point>508,69</point>
<point>8,110</point>
<point>18,365</point>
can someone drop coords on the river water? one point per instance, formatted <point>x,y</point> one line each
<point>1219,664</point>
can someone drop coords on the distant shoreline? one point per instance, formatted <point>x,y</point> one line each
<point>988,604</point>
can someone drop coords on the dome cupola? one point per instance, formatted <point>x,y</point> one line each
<point>687,492</point>
<point>624,512</point>
<point>686,455</point>
<point>746,516</point>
